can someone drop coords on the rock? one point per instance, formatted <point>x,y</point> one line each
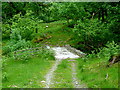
<point>48,47</point>
<point>43,81</point>
<point>13,86</point>
<point>74,50</point>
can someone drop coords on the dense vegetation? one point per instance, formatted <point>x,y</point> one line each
<point>94,24</point>
<point>90,27</point>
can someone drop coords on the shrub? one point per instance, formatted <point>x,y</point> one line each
<point>4,74</point>
<point>20,28</point>
<point>71,24</point>
<point>6,31</point>
<point>15,45</point>
<point>110,49</point>
<point>25,55</point>
<point>114,28</point>
<point>92,33</point>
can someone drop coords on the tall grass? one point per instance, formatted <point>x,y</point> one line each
<point>26,73</point>
<point>93,70</point>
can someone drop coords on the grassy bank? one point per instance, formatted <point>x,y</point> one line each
<point>30,73</point>
<point>91,71</point>
<point>55,30</point>
<point>94,73</point>
<point>25,74</point>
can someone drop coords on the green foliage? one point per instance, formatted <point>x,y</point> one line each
<point>4,76</point>
<point>6,50</point>
<point>111,49</point>
<point>71,24</point>
<point>114,28</point>
<point>9,9</point>
<point>31,73</point>
<point>92,25</point>
<point>16,45</point>
<point>4,64</point>
<point>91,33</point>
<point>95,74</point>
<point>6,31</point>
<point>23,28</point>
<point>92,69</point>
<point>62,76</point>
<point>70,10</point>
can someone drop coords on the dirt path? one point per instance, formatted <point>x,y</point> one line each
<point>49,76</point>
<point>75,80</point>
<point>62,53</point>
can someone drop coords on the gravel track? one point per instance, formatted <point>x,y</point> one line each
<point>62,53</point>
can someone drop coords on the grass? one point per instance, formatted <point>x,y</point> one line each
<point>28,74</point>
<point>0,73</point>
<point>0,64</point>
<point>63,77</point>
<point>59,37</point>
<point>91,71</point>
<point>19,74</point>
<point>95,74</point>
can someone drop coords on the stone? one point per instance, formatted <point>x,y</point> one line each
<point>42,81</point>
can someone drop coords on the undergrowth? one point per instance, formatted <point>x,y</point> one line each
<point>93,70</point>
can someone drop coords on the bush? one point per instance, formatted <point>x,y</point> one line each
<point>20,27</point>
<point>6,50</point>
<point>92,33</point>
<point>25,55</point>
<point>71,24</point>
<point>114,28</point>
<point>6,31</point>
<point>15,45</point>
<point>4,64</point>
<point>111,49</point>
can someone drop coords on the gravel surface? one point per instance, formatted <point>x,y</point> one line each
<point>60,54</point>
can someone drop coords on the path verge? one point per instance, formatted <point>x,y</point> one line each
<point>75,80</point>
